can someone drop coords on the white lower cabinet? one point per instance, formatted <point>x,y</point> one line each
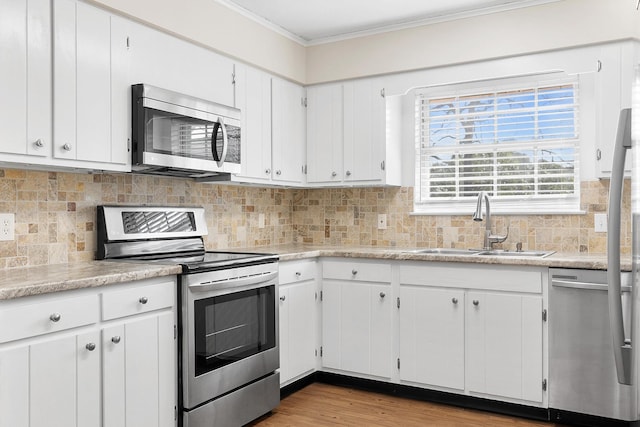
<point>298,314</point>
<point>432,336</point>
<point>357,317</point>
<point>68,367</point>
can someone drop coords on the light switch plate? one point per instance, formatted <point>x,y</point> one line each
<point>600,223</point>
<point>7,226</point>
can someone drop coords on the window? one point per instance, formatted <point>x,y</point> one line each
<point>517,142</point>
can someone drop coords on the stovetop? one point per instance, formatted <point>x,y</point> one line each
<point>212,261</point>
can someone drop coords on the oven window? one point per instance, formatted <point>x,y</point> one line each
<point>232,327</point>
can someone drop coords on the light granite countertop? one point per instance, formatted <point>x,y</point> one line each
<point>22,282</point>
<point>27,281</point>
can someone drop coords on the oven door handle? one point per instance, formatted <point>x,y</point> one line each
<point>233,283</point>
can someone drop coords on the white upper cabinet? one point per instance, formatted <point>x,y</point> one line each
<point>288,117</point>
<point>273,128</point>
<point>168,62</point>
<point>25,84</point>
<point>347,135</point>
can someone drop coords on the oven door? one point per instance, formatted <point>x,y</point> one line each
<point>230,330</point>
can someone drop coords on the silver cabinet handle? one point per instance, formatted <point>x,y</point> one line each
<point>333,174</point>
<point>55,317</point>
<point>348,173</point>
<point>66,147</point>
<point>354,272</point>
<point>382,295</point>
<point>115,339</point>
<point>91,346</point>
<point>278,172</point>
<point>454,300</point>
<point>39,143</point>
<point>476,302</point>
<point>282,298</point>
<point>143,300</point>
<point>267,171</point>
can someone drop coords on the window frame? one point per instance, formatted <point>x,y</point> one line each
<point>512,205</point>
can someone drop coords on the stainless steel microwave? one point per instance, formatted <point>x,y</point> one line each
<point>178,135</point>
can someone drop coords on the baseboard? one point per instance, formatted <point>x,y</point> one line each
<point>298,385</point>
<point>584,420</point>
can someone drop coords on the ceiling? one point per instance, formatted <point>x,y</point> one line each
<point>318,21</point>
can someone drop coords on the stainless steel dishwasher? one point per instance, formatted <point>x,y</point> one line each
<point>582,372</point>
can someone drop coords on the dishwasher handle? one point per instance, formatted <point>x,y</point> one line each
<point>585,285</point>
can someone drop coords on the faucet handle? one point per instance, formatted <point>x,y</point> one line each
<point>496,238</point>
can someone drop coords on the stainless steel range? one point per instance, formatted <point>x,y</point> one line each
<point>228,316</point>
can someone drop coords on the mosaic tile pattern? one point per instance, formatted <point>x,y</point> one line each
<point>55,216</point>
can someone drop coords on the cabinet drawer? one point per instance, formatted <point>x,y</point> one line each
<point>138,299</point>
<point>48,316</point>
<point>297,271</point>
<point>356,270</point>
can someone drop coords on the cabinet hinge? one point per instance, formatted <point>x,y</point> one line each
<point>303,102</point>
<point>382,165</point>
<point>398,302</point>
<point>129,145</point>
<point>382,93</point>
<point>175,413</point>
<point>316,296</point>
<point>128,43</point>
<point>320,351</point>
<point>175,332</point>
<point>233,78</point>
<point>544,384</point>
<point>598,154</point>
<point>398,363</point>
<point>544,315</point>
<point>599,66</point>
<point>304,169</point>
<point>321,300</point>
<point>316,352</point>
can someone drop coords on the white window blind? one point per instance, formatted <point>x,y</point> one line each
<point>517,143</point>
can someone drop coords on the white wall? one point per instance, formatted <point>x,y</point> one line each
<point>215,26</point>
<point>535,29</point>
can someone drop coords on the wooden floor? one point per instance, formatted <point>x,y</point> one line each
<point>327,405</point>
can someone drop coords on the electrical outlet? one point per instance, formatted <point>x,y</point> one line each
<point>382,221</point>
<point>7,226</point>
<point>261,220</point>
<point>600,223</point>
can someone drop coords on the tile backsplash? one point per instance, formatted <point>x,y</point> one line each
<point>55,216</point>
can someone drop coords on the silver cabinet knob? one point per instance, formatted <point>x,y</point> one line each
<point>267,171</point>
<point>298,274</point>
<point>66,147</point>
<point>354,272</point>
<point>348,173</point>
<point>143,300</point>
<point>476,302</point>
<point>39,143</point>
<point>55,317</point>
<point>282,298</point>
<point>334,174</point>
<point>115,339</point>
<point>454,300</point>
<point>382,295</point>
<point>278,172</point>
<point>91,346</point>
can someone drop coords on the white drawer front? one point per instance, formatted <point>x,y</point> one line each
<point>135,300</point>
<point>297,271</point>
<point>46,317</point>
<point>357,271</point>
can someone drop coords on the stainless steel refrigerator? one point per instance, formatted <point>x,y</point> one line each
<point>594,316</point>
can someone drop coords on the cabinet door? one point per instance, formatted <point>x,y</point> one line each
<point>25,84</point>
<point>139,372</point>
<point>14,387</point>
<point>302,334</point>
<point>504,339</point>
<point>253,97</point>
<point>432,336</point>
<point>284,340</point>
<point>324,134</point>
<point>364,130</point>
<point>357,327</point>
<point>289,127</point>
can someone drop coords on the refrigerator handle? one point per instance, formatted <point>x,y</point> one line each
<point>621,350</point>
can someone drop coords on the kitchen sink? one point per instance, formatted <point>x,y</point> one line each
<point>501,253</point>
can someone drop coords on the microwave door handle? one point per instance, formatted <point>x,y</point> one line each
<point>219,125</point>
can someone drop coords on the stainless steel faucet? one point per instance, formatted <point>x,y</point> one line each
<point>489,239</point>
